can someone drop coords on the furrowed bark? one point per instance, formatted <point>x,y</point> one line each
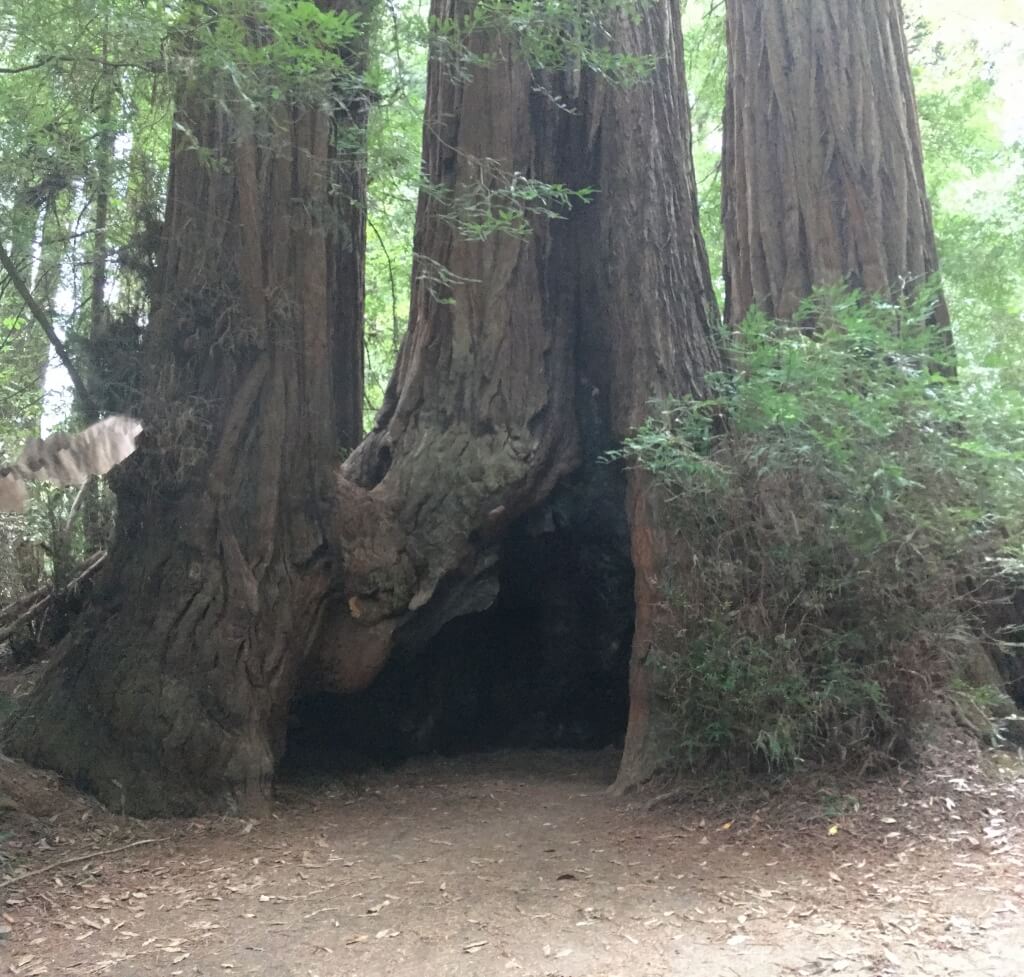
<point>822,172</point>
<point>528,356</point>
<point>171,693</point>
<point>534,354</point>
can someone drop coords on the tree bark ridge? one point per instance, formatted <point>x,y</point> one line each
<point>823,175</point>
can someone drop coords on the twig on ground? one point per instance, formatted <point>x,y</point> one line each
<point>80,858</point>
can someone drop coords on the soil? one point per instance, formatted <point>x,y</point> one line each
<point>521,863</point>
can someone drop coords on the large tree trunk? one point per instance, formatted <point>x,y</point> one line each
<point>171,693</point>
<point>822,173</point>
<point>527,356</point>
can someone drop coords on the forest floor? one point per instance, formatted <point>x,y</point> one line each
<point>522,864</point>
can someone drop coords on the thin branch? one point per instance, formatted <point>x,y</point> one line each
<point>75,506</point>
<point>42,598</point>
<point>15,608</point>
<point>396,330</point>
<point>68,59</point>
<point>25,67</point>
<point>80,858</point>
<point>46,323</point>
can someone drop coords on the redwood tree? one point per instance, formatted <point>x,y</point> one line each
<point>531,351</point>
<point>822,173</point>
<point>170,695</point>
<point>535,353</point>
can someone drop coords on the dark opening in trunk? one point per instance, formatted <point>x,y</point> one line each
<point>546,666</point>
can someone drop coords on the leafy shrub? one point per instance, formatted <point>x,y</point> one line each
<point>835,502</point>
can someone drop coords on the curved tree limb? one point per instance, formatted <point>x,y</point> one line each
<point>46,324</point>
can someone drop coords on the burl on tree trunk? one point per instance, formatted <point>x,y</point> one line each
<point>528,356</point>
<point>822,170</point>
<point>531,354</point>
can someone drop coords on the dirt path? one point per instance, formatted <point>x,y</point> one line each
<point>521,864</point>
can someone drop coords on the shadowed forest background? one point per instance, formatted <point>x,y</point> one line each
<point>501,387</point>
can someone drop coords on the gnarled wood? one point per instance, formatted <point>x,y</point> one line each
<point>544,353</point>
<point>525,361</point>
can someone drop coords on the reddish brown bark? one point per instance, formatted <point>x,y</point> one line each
<point>528,356</point>
<point>545,353</point>
<point>171,693</point>
<point>822,174</point>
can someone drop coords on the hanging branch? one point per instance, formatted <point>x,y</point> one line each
<point>46,323</point>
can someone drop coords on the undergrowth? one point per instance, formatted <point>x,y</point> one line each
<point>836,505</point>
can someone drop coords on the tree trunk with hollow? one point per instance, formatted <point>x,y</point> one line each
<point>822,172</point>
<point>528,356</point>
<point>171,693</point>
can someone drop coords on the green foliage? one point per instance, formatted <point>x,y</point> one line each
<point>762,701</point>
<point>270,50</point>
<point>398,72</point>
<point>498,202</point>
<point>975,174</point>
<point>830,500</point>
<point>705,51</point>
<point>84,116</point>
<point>550,34</point>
